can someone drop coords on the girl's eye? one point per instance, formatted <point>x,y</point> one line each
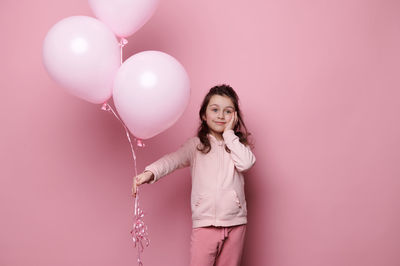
<point>229,111</point>
<point>214,110</point>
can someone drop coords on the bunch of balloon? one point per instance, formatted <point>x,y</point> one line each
<point>150,89</point>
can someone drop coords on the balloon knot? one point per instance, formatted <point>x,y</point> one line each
<point>105,107</point>
<point>123,42</point>
<point>140,143</point>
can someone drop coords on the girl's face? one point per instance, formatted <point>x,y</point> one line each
<point>219,112</point>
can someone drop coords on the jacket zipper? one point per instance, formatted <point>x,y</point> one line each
<point>216,187</point>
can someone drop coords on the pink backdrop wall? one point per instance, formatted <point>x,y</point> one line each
<point>319,87</point>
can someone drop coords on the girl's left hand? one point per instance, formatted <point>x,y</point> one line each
<point>232,123</point>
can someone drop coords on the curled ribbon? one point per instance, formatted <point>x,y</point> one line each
<point>139,230</point>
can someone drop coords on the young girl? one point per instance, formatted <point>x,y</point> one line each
<point>218,156</point>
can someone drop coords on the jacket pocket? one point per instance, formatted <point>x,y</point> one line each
<point>229,204</point>
<point>202,206</point>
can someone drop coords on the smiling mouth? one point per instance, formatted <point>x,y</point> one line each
<point>220,123</point>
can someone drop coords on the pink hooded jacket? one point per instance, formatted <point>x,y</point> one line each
<point>217,197</point>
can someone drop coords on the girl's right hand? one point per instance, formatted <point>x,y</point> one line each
<point>143,178</point>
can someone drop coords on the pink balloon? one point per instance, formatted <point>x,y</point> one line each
<point>82,54</point>
<point>124,17</point>
<point>151,92</point>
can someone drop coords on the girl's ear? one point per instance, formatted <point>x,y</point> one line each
<point>204,118</point>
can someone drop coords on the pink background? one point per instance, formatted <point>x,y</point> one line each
<point>319,88</point>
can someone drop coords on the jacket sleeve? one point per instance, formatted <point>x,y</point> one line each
<point>172,161</point>
<point>242,156</point>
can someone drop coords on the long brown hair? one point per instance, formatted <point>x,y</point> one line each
<point>239,129</point>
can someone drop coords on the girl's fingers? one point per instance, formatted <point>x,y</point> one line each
<point>235,119</point>
<point>231,123</point>
<point>136,183</point>
<point>134,189</point>
<point>139,180</point>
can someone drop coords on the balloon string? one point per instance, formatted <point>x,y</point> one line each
<point>122,43</point>
<point>139,231</point>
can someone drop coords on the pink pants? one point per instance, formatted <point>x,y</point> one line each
<point>217,246</point>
